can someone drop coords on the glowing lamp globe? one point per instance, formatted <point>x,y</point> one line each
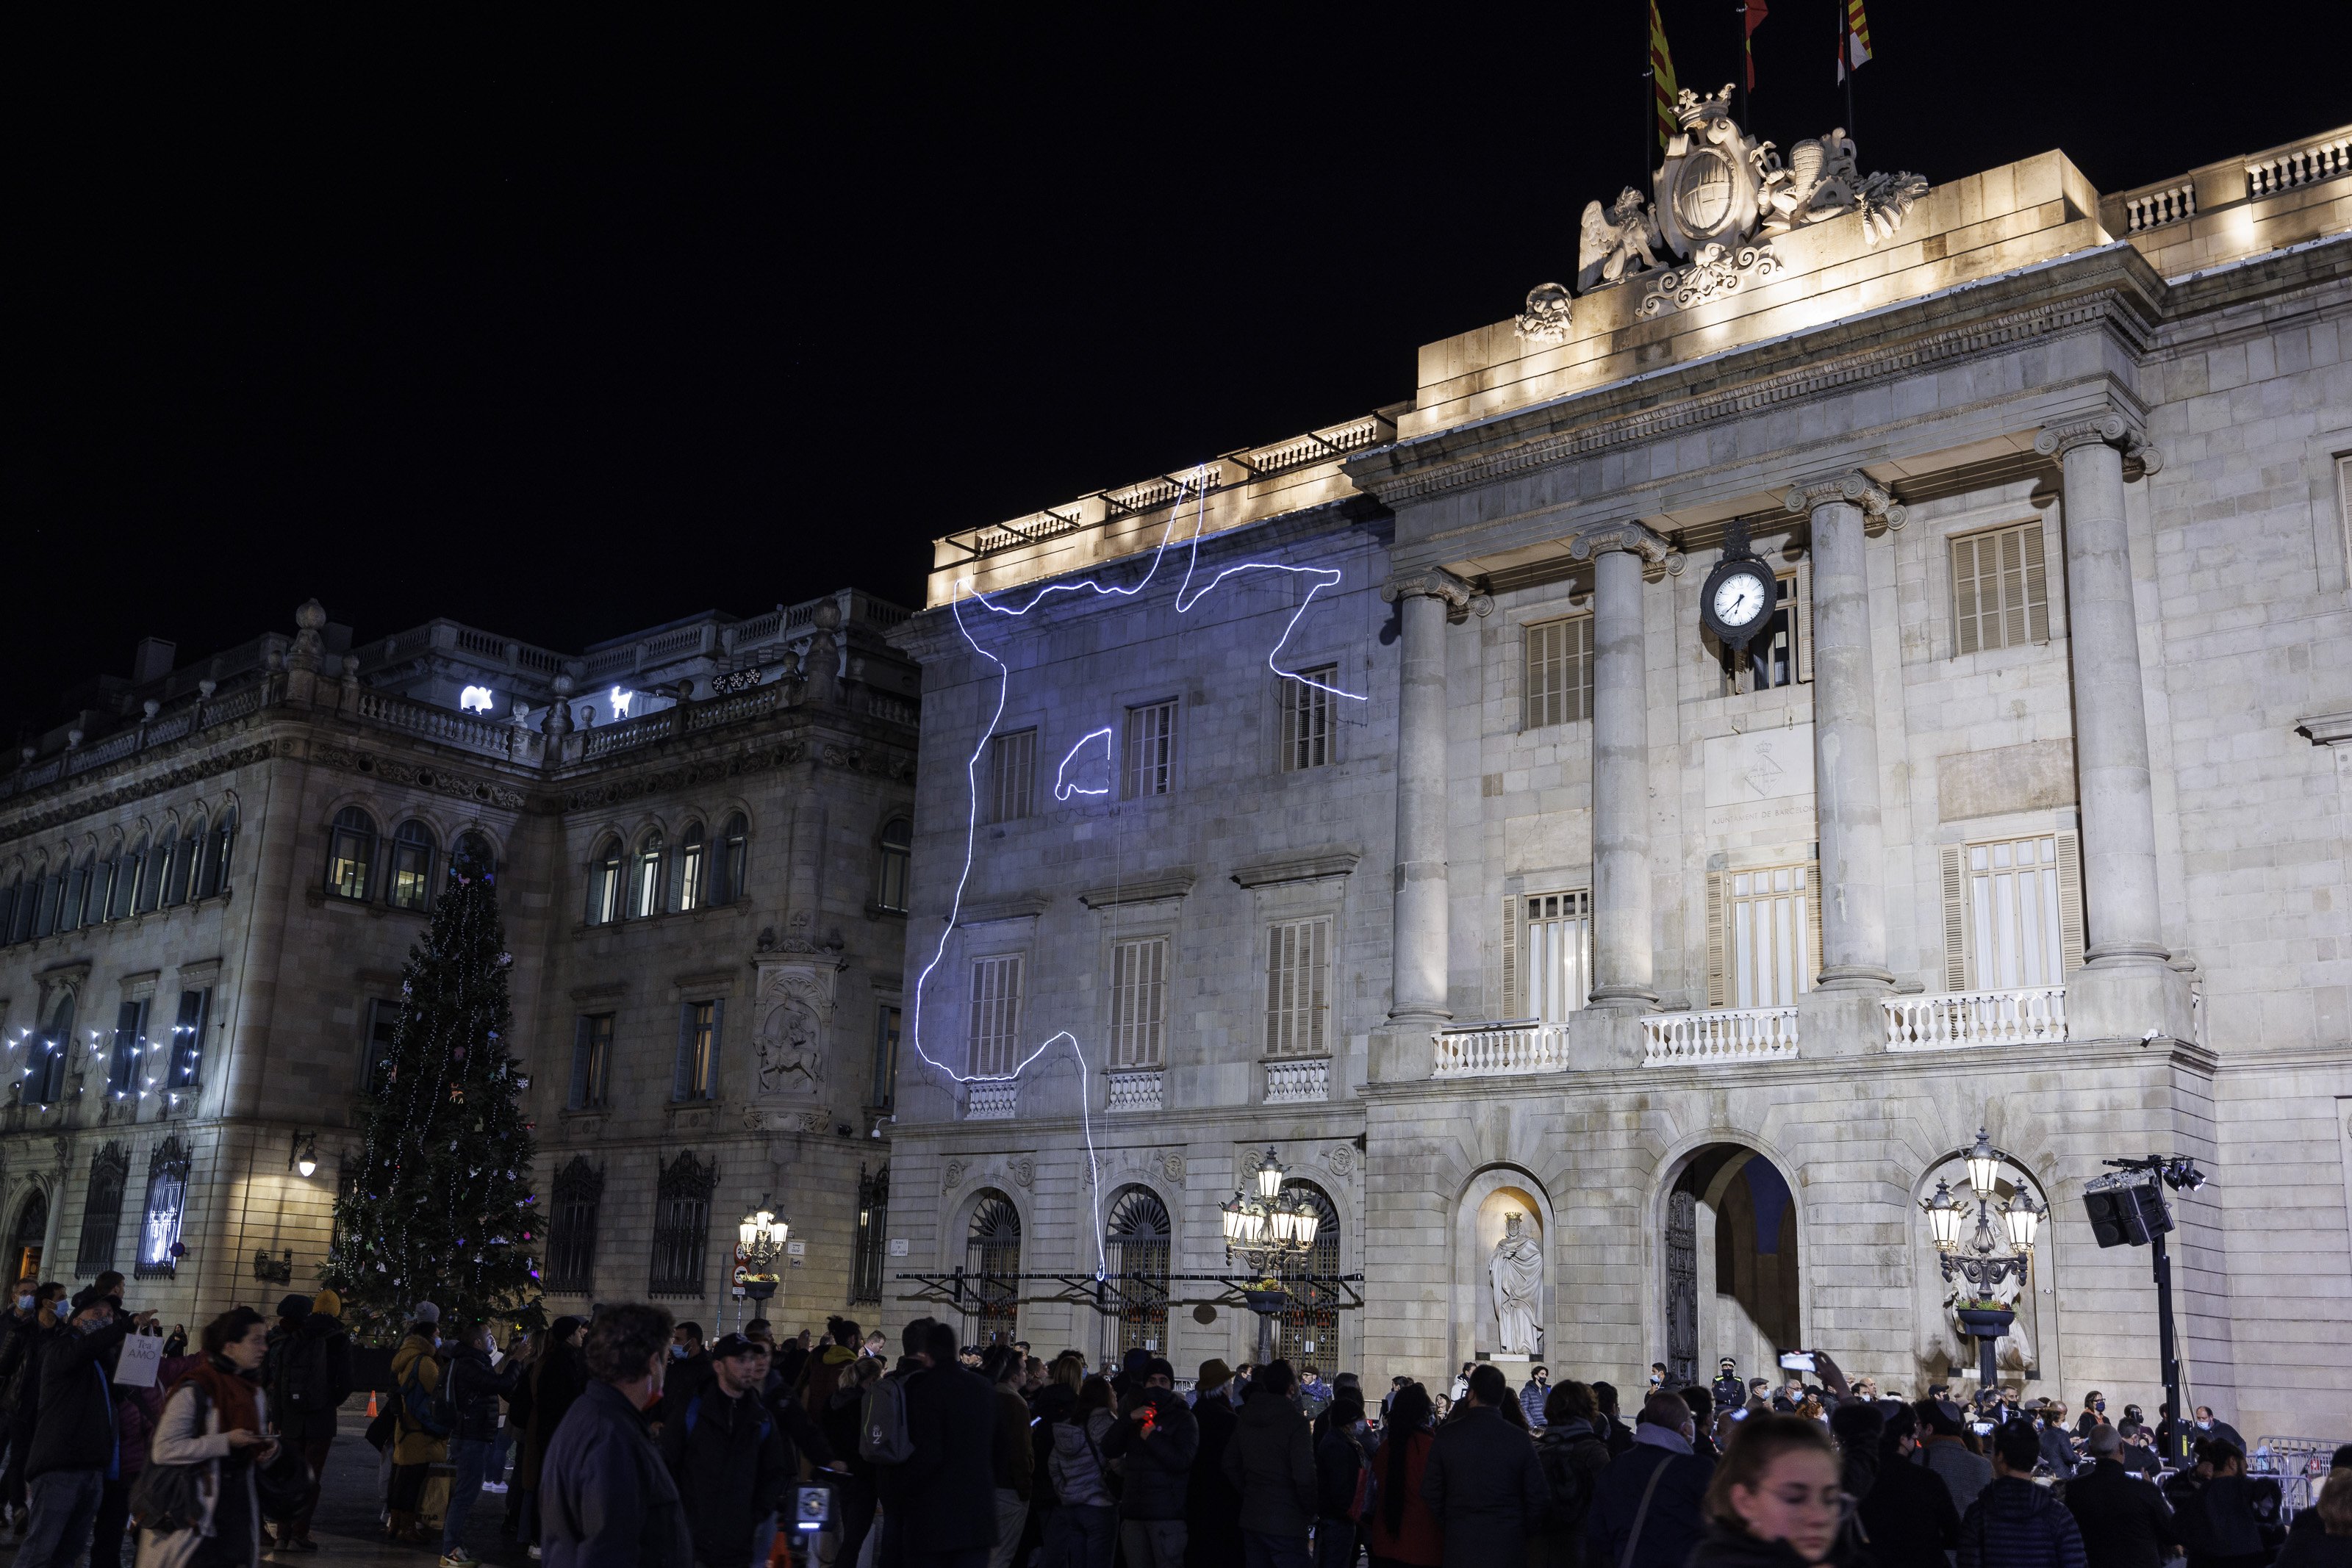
<point>306,1164</point>
<point>1943,1218</point>
<point>1269,1177</point>
<point>1984,1165</point>
<point>1308,1222</point>
<point>2024,1221</point>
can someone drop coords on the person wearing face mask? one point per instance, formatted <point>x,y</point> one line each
<point>416,1374</point>
<point>37,1318</point>
<point>2094,1415</point>
<point>1775,1501</point>
<point>2014,1523</point>
<point>74,1450</point>
<point>2209,1429</point>
<point>606,1499</point>
<point>217,1418</point>
<point>689,1369</point>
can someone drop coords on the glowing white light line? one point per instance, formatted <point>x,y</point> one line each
<point>1064,791</point>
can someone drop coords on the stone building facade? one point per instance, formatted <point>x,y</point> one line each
<point>1389,798</point>
<point>211,877</point>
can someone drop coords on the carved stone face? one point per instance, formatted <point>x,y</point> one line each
<point>1511,1226</point>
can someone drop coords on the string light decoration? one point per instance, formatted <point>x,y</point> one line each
<point>1193,488</point>
<point>438,1206</point>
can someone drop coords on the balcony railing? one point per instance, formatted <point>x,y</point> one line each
<point>2033,1015</point>
<point>1719,1035</point>
<point>1297,1083</point>
<point>2284,170</point>
<point>992,1099</point>
<point>1136,1089</point>
<point>488,737</point>
<point>1501,1050</point>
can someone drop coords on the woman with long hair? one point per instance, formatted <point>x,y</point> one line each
<point>216,1420</point>
<point>1402,1533</point>
<point>2330,1545</point>
<point>1776,1500</point>
<point>558,1377</point>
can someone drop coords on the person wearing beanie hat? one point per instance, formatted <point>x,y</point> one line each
<point>293,1309</point>
<point>426,1313</point>
<point>308,1375</point>
<point>327,1304</point>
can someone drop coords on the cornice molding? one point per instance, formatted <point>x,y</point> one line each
<point>73,809</point>
<point>1022,907</point>
<point>1146,890</point>
<point>1307,867</point>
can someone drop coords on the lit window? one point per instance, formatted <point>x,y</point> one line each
<point>994,1029</point>
<point>591,1058</point>
<point>412,866</point>
<point>187,1063</point>
<point>605,884</point>
<point>1012,777</point>
<point>1298,962</point>
<point>2001,590</point>
<point>1307,718</point>
<point>1150,750</point>
<point>1764,935</point>
<point>1559,687</point>
<point>167,1199</point>
<point>1558,952</point>
<point>886,1057</point>
<point>474,699</point>
<point>897,856</point>
<point>351,855</point>
<point>691,860</point>
<point>645,892</point>
<point>2023,912</point>
<point>1139,1002</point>
<point>125,1063</point>
<point>127,874</point>
<point>698,1049</point>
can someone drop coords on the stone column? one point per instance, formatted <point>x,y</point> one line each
<point>1624,965</point>
<point>1845,735</point>
<point>1424,599</point>
<point>2125,923</point>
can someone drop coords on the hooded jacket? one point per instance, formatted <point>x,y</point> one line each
<point>1571,1456</point>
<point>1076,1465</point>
<point>415,1358</point>
<point>1271,1462</point>
<point>822,1374</point>
<point>2015,1524</point>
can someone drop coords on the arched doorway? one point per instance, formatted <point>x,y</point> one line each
<point>1137,1246</point>
<point>1308,1331</point>
<point>1733,1274</point>
<point>993,1247</point>
<point>31,1234</point>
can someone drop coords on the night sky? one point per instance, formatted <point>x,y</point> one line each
<point>565,332</point>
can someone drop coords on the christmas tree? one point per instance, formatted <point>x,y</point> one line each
<point>439,1207</point>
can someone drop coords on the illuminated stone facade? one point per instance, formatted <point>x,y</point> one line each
<point>2024,809</point>
<point>718,1029</point>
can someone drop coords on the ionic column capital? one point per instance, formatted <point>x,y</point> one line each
<point>1632,536</point>
<point>1436,582</point>
<point>1853,488</point>
<point>2109,429</point>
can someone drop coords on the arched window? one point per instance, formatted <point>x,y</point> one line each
<point>127,873</point>
<point>993,1247</point>
<point>182,873</point>
<point>572,1242</point>
<point>101,1212</point>
<point>645,876</point>
<point>45,915</point>
<point>1137,1247</point>
<point>605,884</point>
<point>681,1225</point>
<point>31,1234</point>
<point>77,886</point>
<point>1308,1329</point>
<point>351,855</point>
<point>158,868</point>
<point>897,854</point>
<point>45,1077</point>
<point>726,876</point>
<point>167,1202</point>
<point>224,841</point>
<point>693,867</point>
<point>410,884</point>
<point>474,849</point>
<point>101,888</point>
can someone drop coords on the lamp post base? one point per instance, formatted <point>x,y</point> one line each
<point>1988,1324</point>
<point>1267,1305</point>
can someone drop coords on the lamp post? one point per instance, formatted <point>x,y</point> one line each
<point>763,1235</point>
<point>1265,1229</point>
<point>1980,1260</point>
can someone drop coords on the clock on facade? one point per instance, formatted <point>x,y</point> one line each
<point>1739,596</point>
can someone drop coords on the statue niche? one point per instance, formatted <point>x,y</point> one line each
<point>1515,1273</point>
<point>793,1017</point>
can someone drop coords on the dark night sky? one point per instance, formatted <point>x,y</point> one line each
<point>565,331</point>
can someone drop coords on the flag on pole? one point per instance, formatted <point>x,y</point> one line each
<point>1854,49</point>
<point>1662,78</point>
<point>1751,17</point>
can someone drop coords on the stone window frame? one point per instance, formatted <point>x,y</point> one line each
<point>1132,768</point>
<point>2000,506</point>
<point>1018,958</point>
<point>1156,1055</point>
<point>2030,532</point>
<point>1320,1023</point>
<point>1009,789</point>
<point>1294,696</point>
<point>1517,999</point>
<point>1572,711</point>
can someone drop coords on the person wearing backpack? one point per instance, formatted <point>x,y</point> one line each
<point>942,1508</point>
<point>1345,1486</point>
<point>308,1384</point>
<point>422,1422</point>
<point>1572,1457</point>
<point>1154,1448</point>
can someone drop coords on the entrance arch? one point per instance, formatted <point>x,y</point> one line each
<point>1732,1250</point>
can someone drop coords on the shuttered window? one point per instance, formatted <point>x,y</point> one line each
<point>1550,974</point>
<point>1763,936</point>
<point>1150,750</point>
<point>1139,1002</point>
<point>2001,590</point>
<point>1012,776</point>
<point>591,1061</point>
<point>699,1027</point>
<point>995,1026</point>
<point>1307,718</point>
<point>1298,960</point>
<point>2013,912</point>
<point>1559,687</point>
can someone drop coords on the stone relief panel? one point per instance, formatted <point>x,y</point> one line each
<point>793,1023</point>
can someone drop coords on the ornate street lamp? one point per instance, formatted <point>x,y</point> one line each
<point>1979,1261</point>
<point>762,1235</point>
<point>1265,1228</point>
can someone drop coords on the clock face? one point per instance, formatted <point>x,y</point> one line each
<point>1739,599</point>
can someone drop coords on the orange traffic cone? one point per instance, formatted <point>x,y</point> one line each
<point>370,1405</point>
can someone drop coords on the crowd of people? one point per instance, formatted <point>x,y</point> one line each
<point>627,1441</point>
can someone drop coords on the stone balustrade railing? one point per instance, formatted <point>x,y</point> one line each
<point>1136,1089</point>
<point>1501,1050</point>
<point>2154,209</point>
<point>2268,174</point>
<point>1296,1083</point>
<point>1719,1035</point>
<point>992,1099</point>
<point>2032,1015</point>
<point>490,737</point>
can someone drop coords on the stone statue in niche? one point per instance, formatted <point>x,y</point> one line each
<point>1515,1271</point>
<point>793,1010</point>
<point>2014,1350</point>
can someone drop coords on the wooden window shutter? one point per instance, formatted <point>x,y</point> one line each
<point>1955,918</point>
<point>1719,949</point>
<point>1804,618</point>
<point>1965,638</point>
<point>578,1097</point>
<point>1813,959</point>
<point>2037,584</point>
<point>1511,1008</point>
<point>2070,901</point>
<point>718,1033</point>
<point>682,1081</point>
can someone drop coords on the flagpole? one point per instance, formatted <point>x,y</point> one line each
<point>1740,15</point>
<point>1845,60</point>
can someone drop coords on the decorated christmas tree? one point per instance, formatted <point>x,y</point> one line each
<point>438,1206</point>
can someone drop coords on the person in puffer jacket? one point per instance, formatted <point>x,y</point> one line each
<point>1082,1531</point>
<point>2014,1523</point>
<point>1154,1448</point>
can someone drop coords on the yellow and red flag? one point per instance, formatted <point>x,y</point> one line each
<point>1662,78</point>
<point>1853,47</point>
<point>1752,16</point>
